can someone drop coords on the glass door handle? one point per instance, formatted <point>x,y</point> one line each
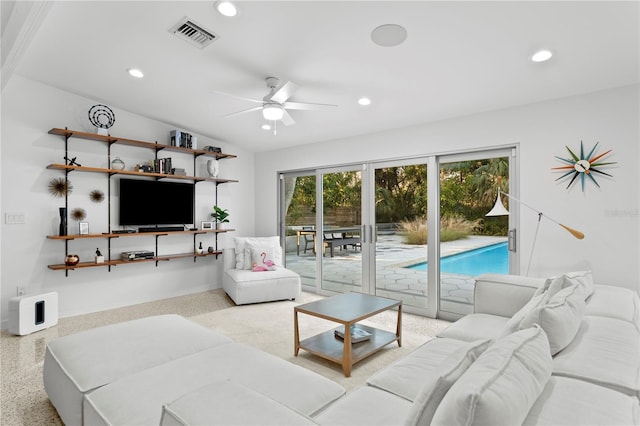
<point>511,238</point>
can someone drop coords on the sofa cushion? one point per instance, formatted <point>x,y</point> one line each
<point>438,383</point>
<point>570,402</point>
<point>475,327</point>
<point>559,317</point>
<point>228,403</point>
<point>604,351</point>
<point>241,243</point>
<point>365,406</point>
<point>408,375</point>
<point>614,302</point>
<point>503,383</point>
<point>503,295</point>
<point>138,398</point>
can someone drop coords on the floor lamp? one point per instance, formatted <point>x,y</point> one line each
<point>499,210</point>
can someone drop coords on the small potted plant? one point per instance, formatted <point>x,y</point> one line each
<point>220,216</point>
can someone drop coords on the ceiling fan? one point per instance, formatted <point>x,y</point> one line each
<point>274,105</point>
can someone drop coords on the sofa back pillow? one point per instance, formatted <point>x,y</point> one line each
<point>438,383</point>
<point>502,385</point>
<point>559,317</point>
<point>513,324</point>
<point>583,279</point>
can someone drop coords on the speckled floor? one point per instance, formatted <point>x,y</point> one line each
<point>266,326</point>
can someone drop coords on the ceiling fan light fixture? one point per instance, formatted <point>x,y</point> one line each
<point>134,72</point>
<point>226,8</point>
<point>541,55</point>
<point>272,112</point>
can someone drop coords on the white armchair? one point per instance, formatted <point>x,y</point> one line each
<point>244,286</point>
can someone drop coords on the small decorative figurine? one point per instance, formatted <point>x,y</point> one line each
<point>102,117</point>
<point>72,162</point>
<point>99,256</point>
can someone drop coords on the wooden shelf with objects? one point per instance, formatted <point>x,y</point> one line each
<point>156,147</point>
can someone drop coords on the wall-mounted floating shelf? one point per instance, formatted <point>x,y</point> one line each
<point>156,147</point>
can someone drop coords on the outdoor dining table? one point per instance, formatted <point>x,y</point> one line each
<point>332,237</point>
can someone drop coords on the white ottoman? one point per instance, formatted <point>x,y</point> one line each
<point>79,363</point>
<point>138,399</point>
<point>228,403</point>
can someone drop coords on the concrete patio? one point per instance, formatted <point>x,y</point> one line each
<point>343,271</point>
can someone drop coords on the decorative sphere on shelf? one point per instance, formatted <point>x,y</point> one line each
<point>117,164</point>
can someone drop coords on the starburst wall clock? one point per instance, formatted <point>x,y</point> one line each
<point>584,166</point>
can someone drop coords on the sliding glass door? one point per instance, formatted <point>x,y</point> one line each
<point>298,210</point>
<point>470,243</point>
<point>413,230</point>
<point>400,238</point>
<point>339,238</point>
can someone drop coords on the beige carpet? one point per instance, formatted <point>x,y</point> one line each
<point>267,326</point>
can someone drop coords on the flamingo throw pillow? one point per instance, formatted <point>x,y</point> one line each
<point>262,259</point>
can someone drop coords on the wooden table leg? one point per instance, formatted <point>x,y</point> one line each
<point>296,333</point>
<point>347,351</point>
<point>399,325</point>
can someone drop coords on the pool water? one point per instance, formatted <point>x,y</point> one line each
<point>493,259</point>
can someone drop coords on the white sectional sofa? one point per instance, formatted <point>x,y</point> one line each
<point>590,374</point>
<point>535,352</point>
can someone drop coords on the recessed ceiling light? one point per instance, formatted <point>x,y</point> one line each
<point>226,8</point>
<point>389,35</point>
<point>134,72</point>
<point>266,126</point>
<point>364,101</point>
<point>541,56</point>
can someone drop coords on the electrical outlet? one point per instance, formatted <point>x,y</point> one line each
<point>20,290</point>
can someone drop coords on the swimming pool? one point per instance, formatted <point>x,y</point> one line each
<point>493,259</point>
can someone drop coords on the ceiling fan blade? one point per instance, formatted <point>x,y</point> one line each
<point>284,92</point>
<point>305,105</point>
<point>244,111</point>
<point>238,97</point>
<point>287,120</point>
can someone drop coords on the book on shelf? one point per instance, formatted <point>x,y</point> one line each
<point>357,334</point>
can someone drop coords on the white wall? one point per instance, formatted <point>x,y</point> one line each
<point>29,111</point>
<point>609,216</point>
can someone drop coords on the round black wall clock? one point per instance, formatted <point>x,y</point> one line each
<point>583,166</point>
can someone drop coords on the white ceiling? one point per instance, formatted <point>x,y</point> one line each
<point>459,58</point>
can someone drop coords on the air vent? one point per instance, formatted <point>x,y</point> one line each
<point>188,30</point>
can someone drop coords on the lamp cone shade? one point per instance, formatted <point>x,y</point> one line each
<point>498,208</point>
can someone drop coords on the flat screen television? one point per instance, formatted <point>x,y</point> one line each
<point>150,202</point>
